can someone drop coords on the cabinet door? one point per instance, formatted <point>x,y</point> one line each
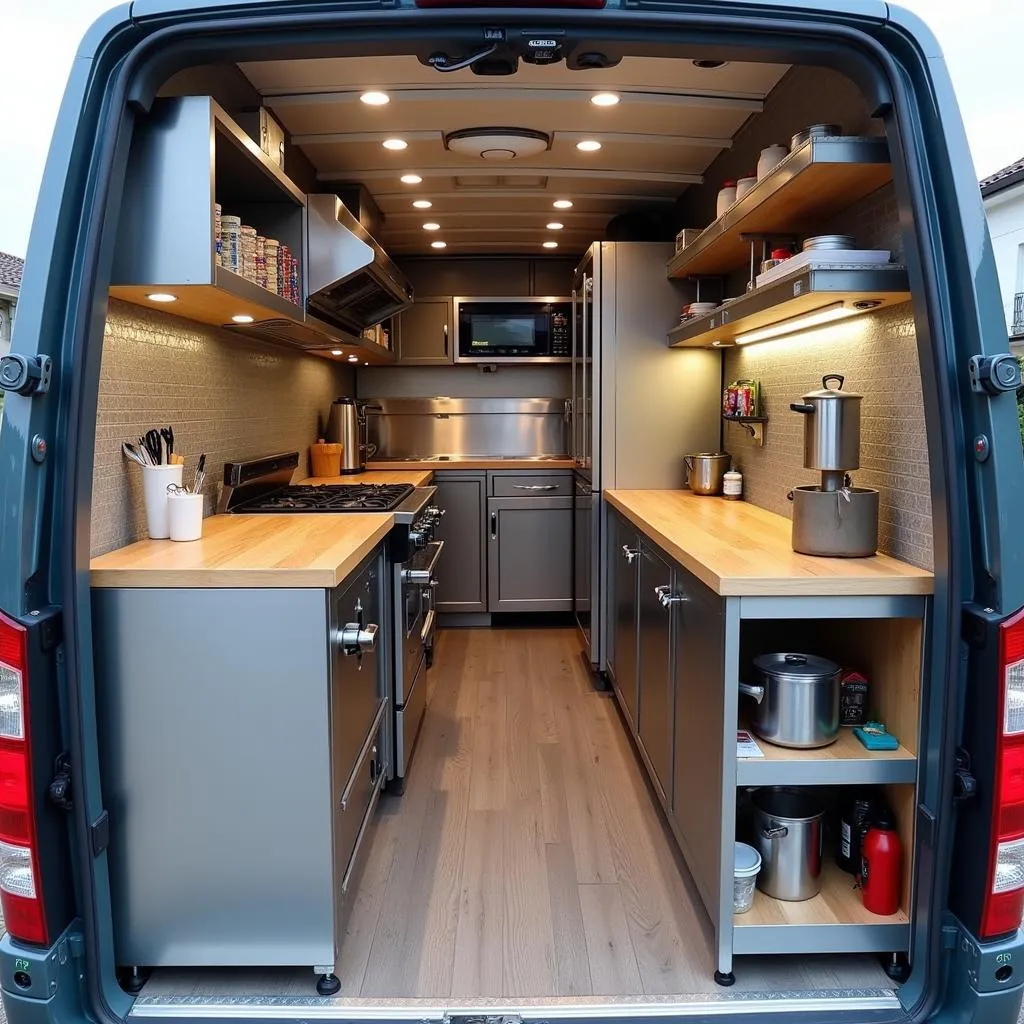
<point>462,569</point>
<point>624,568</point>
<point>699,729</point>
<point>529,559</point>
<point>423,333</point>
<point>654,672</point>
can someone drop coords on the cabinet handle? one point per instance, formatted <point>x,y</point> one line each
<point>535,487</point>
<point>494,526</point>
<point>666,597</point>
<point>446,339</point>
<point>357,639</point>
<point>630,553</point>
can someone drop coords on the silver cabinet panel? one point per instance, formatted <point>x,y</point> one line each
<point>531,485</point>
<point>529,560</point>
<point>462,568</point>
<point>423,333</point>
<point>654,668</point>
<point>623,566</point>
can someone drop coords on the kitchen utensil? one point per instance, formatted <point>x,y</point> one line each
<point>704,471</point>
<point>200,477</point>
<point>831,430</point>
<point>726,197</point>
<point>155,480</point>
<point>836,523</point>
<point>325,458</point>
<point>184,516</point>
<point>154,445</point>
<point>816,242</point>
<point>167,433</point>
<point>746,865</point>
<point>822,130</point>
<point>797,700</point>
<point>132,452</point>
<point>770,158</point>
<point>745,185</point>
<point>787,825</point>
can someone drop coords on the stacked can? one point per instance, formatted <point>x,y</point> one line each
<point>271,248</point>
<point>247,247</point>
<point>217,241</point>
<point>293,281</point>
<point>261,261</point>
<point>230,243</point>
<point>284,255</point>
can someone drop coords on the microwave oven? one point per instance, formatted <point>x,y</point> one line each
<point>529,330</point>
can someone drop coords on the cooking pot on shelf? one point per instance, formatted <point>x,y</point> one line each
<point>787,829</point>
<point>797,700</point>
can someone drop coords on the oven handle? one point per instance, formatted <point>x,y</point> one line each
<point>424,575</point>
<point>428,626</point>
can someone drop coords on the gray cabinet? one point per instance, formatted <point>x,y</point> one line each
<point>529,559</point>
<point>655,685</point>
<point>462,569</point>
<point>423,333</point>
<point>623,566</point>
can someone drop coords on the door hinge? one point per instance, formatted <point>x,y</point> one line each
<point>99,832</point>
<point>965,785</point>
<point>60,785</point>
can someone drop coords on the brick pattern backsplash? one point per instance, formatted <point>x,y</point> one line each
<point>877,353</point>
<point>232,397</point>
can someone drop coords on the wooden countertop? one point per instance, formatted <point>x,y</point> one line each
<point>736,548</point>
<point>432,464</point>
<point>416,476</point>
<point>250,551</point>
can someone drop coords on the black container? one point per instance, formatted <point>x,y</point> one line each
<point>854,821</point>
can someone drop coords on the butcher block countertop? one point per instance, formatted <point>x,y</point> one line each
<point>415,476</point>
<point>736,548</point>
<point>536,465</point>
<point>294,550</point>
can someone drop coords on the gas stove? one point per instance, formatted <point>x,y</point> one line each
<point>330,498</point>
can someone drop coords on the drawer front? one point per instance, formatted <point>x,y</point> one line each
<point>531,485</point>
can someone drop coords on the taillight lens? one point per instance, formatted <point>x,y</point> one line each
<point>1004,900</point>
<point>20,893</point>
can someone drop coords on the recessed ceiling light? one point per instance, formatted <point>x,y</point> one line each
<point>438,245</point>
<point>555,226</point>
<point>337,352</point>
<point>395,144</point>
<point>709,65</point>
<point>242,318</point>
<point>588,146</point>
<point>423,204</point>
<point>162,297</point>
<point>375,99</point>
<point>562,204</point>
<point>604,99</point>
<point>366,364</point>
<point>411,179</point>
<point>550,245</point>
<point>353,359</point>
<point>431,226</point>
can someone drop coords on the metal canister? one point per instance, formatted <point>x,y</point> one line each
<point>787,824</point>
<point>832,426</point>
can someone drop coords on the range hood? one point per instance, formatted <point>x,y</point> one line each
<point>351,281</point>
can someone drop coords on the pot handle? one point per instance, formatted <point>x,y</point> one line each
<point>789,495</point>
<point>833,376</point>
<point>775,832</point>
<point>757,692</point>
<point>688,463</point>
<point>804,407</point>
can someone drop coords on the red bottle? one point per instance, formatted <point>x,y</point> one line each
<point>881,865</point>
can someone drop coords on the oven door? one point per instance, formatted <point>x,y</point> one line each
<point>417,613</point>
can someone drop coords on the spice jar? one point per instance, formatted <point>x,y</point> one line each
<point>732,485</point>
<point>726,197</point>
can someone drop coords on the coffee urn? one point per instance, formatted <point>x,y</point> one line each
<point>347,426</point>
<point>833,518</point>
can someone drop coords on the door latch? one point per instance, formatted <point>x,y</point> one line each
<point>991,375</point>
<point>59,790</point>
<point>666,597</point>
<point>965,785</point>
<point>25,375</point>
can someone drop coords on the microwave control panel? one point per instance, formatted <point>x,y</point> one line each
<point>561,338</point>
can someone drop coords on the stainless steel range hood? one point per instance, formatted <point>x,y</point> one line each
<point>351,281</point>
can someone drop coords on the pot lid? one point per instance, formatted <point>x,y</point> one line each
<point>747,858</point>
<point>837,392</point>
<point>803,666</point>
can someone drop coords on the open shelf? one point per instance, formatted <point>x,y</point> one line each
<point>845,762</point>
<point>815,181</point>
<point>834,921</point>
<point>803,292</point>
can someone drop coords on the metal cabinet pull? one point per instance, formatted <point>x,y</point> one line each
<point>535,487</point>
<point>356,639</point>
<point>446,339</point>
<point>630,553</point>
<point>494,526</point>
<point>666,597</point>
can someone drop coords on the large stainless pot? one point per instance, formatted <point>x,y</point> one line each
<point>705,471</point>
<point>797,699</point>
<point>837,524</point>
<point>787,834</point>
<point>832,427</point>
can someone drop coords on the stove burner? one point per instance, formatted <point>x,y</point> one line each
<point>331,498</point>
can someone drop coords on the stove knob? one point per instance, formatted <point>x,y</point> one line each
<point>433,512</point>
<point>418,537</point>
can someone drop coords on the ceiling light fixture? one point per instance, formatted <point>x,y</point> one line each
<point>375,98</point>
<point>411,179</point>
<point>162,297</point>
<point>422,204</point>
<point>497,143</point>
<point>555,226</point>
<point>550,245</point>
<point>604,99</point>
<point>438,245</point>
<point>588,145</point>
<point>825,315</point>
<point>431,226</point>
<point>562,204</point>
<point>709,65</point>
<point>395,144</point>
<point>353,359</point>
<point>337,352</point>
<point>242,318</point>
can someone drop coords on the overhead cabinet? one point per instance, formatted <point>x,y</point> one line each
<point>424,334</point>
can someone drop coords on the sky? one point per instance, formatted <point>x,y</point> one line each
<point>980,38</point>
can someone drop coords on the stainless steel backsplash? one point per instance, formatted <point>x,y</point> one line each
<point>405,427</point>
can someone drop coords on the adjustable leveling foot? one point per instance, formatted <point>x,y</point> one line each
<point>725,980</point>
<point>328,985</point>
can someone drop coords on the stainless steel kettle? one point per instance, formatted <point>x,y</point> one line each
<point>346,425</point>
<point>831,427</point>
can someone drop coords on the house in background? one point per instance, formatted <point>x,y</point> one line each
<point>10,284</point>
<point>1003,196</point>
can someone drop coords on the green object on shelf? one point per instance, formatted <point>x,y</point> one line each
<point>875,736</point>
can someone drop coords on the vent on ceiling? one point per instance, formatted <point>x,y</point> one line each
<point>497,181</point>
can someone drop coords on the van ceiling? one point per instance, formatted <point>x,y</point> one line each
<point>672,119</point>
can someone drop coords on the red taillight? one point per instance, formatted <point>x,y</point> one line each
<point>1004,897</point>
<point>20,893</point>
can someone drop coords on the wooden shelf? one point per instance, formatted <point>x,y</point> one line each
<point>815,181</point>
<point>845,762</point>
<point>803,292</point>
<point>744,419</point>
<point>834,921</point>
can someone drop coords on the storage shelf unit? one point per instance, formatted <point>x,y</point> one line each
<point>815,181</point>
<point>802,293</point>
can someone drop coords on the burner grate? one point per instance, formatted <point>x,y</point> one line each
<point>331,498</point>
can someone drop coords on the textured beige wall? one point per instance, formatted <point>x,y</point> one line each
<point>231,397</point>
<point>877,353</point>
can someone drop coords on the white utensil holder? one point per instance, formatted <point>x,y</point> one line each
<point>185,516</point>
<point>155,481</point>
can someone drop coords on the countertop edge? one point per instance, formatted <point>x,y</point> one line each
<point>519,465</point>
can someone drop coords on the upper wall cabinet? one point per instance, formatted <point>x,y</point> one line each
<point>423,333</point>
<point>511,278</point>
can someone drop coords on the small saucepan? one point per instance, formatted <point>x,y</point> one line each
<point>797,699</point>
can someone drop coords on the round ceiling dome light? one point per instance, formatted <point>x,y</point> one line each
<point>550,245</point>
<point>555,225</point>
<point>588,145</point>
<point>422,204</point>
<point>431,225</point>
<point>438,245</point>
<point>562,204</point>
<point>498,144</point>
<point>411,179</point>
<point>373,98</point>
<point>604,99</point>
<point>395,144</point>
